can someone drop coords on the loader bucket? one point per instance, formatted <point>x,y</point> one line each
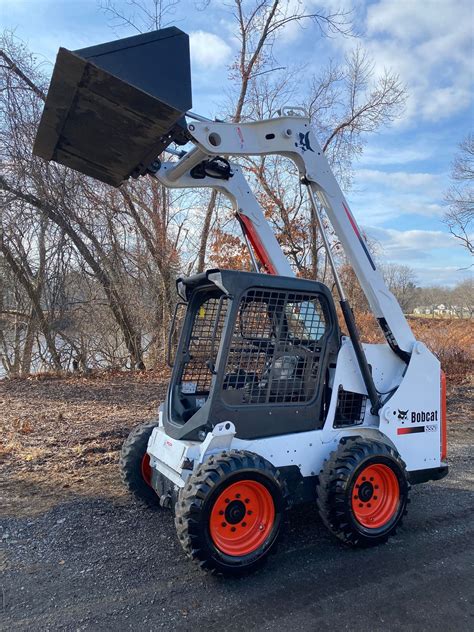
<point>112,108</point>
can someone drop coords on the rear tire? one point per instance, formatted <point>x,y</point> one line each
<point>362,493</point>
<point>229,514</point>
<point>135,464</point>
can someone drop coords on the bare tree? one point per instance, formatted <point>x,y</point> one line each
<point>55,193</point>
<point>16,320</point>
<point>347,102</point>
<point>463,298</point>
<point>431,297</point>
<point>32,281</point>
<point>139,15</point>
<point>401,281</point>
<point>460,196</point>
<point>259,24</point>
<point>344,107</point>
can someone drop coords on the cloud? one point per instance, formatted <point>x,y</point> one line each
<point>427,43</point>
<point>390,153</point>
<point>208,50</point>
<point>446,275</point>
<point>401,179</point>
<point>376,155</point>
<point>422,250</point>
<point>380,196</point>
<point>378,208</point>
<point>410,243</point>
<point>416,21</point>
<point>446,101</point>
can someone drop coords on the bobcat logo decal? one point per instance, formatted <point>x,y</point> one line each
<point>402,414</point>
<point>303,142</point>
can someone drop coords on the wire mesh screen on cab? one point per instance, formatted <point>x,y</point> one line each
<point>203,346</point>
<point>275,349</point>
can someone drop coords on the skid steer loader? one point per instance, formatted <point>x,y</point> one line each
<point>268,405</point>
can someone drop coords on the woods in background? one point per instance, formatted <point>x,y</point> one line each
<point>459,216</point>
<point>87,272</point>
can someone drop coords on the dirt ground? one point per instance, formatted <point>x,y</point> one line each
<point>78,554</point>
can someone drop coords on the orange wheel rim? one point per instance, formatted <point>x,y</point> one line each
<point>242,518</point>
<point>146,469</point>
<point>375,496</point>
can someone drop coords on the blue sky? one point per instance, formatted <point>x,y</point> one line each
<point>397,195</point>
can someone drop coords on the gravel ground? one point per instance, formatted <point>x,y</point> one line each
<point>74,559</point>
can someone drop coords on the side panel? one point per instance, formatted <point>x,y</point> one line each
<point>387,371</point>
<point>412,418</point>
<point>410,421</point>
<point>305,450</point>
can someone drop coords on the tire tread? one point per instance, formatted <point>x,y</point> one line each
<point>131,455</point>
<point>332,484</point>
<point>199,485</point>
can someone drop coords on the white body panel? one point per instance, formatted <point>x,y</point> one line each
<point>417,437</point>
<point>418,393</point>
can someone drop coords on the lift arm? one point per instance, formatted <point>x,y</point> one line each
<point>291,136</point>
<point>246,207</point>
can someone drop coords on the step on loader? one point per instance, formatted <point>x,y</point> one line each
<point>268,405</point>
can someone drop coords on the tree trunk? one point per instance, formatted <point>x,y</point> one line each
<point>314,244</point>
<point>28,345</point>
<point>205,231</point>
<point>22,277</point>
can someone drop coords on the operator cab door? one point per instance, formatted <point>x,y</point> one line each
<point>273,364</point>
<point>193,375</point>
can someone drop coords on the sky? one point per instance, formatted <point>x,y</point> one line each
<point>403,173</point>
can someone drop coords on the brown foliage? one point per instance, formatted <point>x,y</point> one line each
<point>452,340</point>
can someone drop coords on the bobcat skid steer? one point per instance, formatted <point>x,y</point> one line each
<point>268,405</point>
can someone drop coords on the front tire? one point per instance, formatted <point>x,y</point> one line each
<point>229,514</point>
<point>135,464</point>
<point>362,493</point>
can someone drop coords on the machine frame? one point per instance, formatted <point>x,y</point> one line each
<point>405,374</point>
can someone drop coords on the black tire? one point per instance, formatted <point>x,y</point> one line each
<point>204,492</point>
<point>131,457</point>
<point>341,480</point>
